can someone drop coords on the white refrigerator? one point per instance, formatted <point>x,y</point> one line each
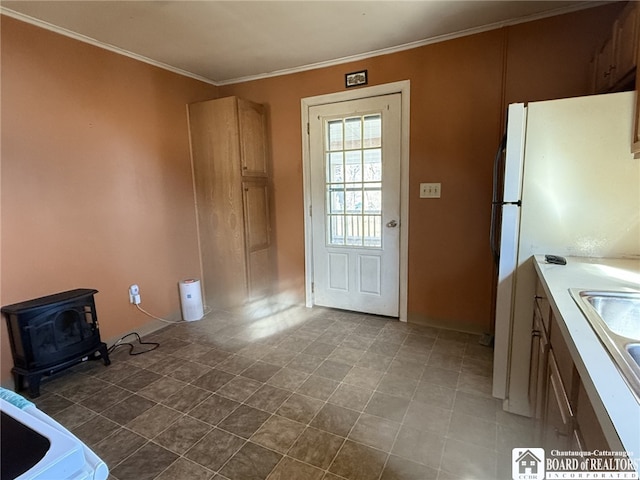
<point>566,184</point>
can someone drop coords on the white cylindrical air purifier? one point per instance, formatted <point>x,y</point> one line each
<point>191,300</point>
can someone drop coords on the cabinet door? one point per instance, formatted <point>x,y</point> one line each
<point>253,143</point>
<point>558,418</point>
<point>626,41</point>
<point>604,66</point>
<point>257,238</point>
<point>592,436</point>
<point>537,373</point>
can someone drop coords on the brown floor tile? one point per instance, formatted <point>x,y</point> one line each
<point>334,419</point>
<point>145,464</point>
<point>433,419</point>
<point>346,355</point>
<point>213,380</point>
<point>214,409</point>
<point>332,370</point>
<point>183,469</point>
<point>300,408</point>
<point>153,421</point>
<point>435,395</point>
<point>398,468</point>
<point>288,378</point>
<point>363,377</point>
<point>118,446</point>
<point>51,403</point>
<point>473,429</point>
<point>374,361</point>
<point>261,371</point>
<point>235,364</point>
<point>398,386</point>
<point>358,462</point>
<point>474,404</point>
<point>188,371</point>
<point>381,347</point>
<point>420,446</point>
<point>128,409</point>
<point>290,469</point>
<point>440,376</point>
<point>480,463</point>
<point>318,387</point>
<point>443,360</point>
<point>252,462</point>
<point>268,398</point>
<point>316,447</point>
<point>161,389</point>
<point>351,397</point>
<point>244,421</point>
<point>387,406</point>
<point>187,398</point>
<point>278,433</point>
<point>214,449</point>
<point>183,434</point>
<point>305,363</point>
<point>74,415</point>
<point>95,430</point>
<point>375,432</point>
<point>239,389</point>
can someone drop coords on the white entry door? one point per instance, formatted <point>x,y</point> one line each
<point>355,151</point>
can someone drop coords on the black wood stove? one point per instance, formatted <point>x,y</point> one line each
<point>51,333</point>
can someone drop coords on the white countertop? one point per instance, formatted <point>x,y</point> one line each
<point>613,401</point>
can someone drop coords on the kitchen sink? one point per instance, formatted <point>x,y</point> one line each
<point>615,318</point>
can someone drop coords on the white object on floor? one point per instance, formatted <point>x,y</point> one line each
<point>68,458</point>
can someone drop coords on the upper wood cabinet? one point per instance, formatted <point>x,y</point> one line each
<point>614,62</point>
<point>230,166</point>
<point>253,131</point>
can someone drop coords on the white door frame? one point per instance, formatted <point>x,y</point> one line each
<point>402,87</point>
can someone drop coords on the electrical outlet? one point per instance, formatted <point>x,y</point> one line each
<point>430,190</point>
<point>134,294</point>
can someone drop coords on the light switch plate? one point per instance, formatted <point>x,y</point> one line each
<point>430,190</point>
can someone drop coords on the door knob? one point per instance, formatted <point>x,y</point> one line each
<point>392,224</point>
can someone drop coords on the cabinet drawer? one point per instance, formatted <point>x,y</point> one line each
<point>542,303</point>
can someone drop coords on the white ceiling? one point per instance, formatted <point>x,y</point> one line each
<point>228,41</point>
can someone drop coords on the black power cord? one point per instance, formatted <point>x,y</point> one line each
<point>121,343</point>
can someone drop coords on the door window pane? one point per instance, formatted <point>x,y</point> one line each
<point>334,136</point>
<point>372,131</point>
<point>353,181</point>
<point>353,133</point>
<point>335,164</point>
<point>373,165</point>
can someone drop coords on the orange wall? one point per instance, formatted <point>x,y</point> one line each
<point>459,92</point>
<point>96,177</point>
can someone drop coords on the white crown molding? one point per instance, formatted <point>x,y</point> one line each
<point>420,43</point>
<point>313,66</point>
<point>96,43</point>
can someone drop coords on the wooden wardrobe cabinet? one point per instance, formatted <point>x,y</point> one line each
<point>232,185</point>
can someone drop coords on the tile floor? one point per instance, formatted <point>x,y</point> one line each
<point>299,394</point>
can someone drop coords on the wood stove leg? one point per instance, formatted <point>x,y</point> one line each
<point>34,384</point>
<point>18,380</point>
<point>104,354</point>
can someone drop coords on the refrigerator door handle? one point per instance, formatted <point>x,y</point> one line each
<point>498,165</point>
<point>493,234</point>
